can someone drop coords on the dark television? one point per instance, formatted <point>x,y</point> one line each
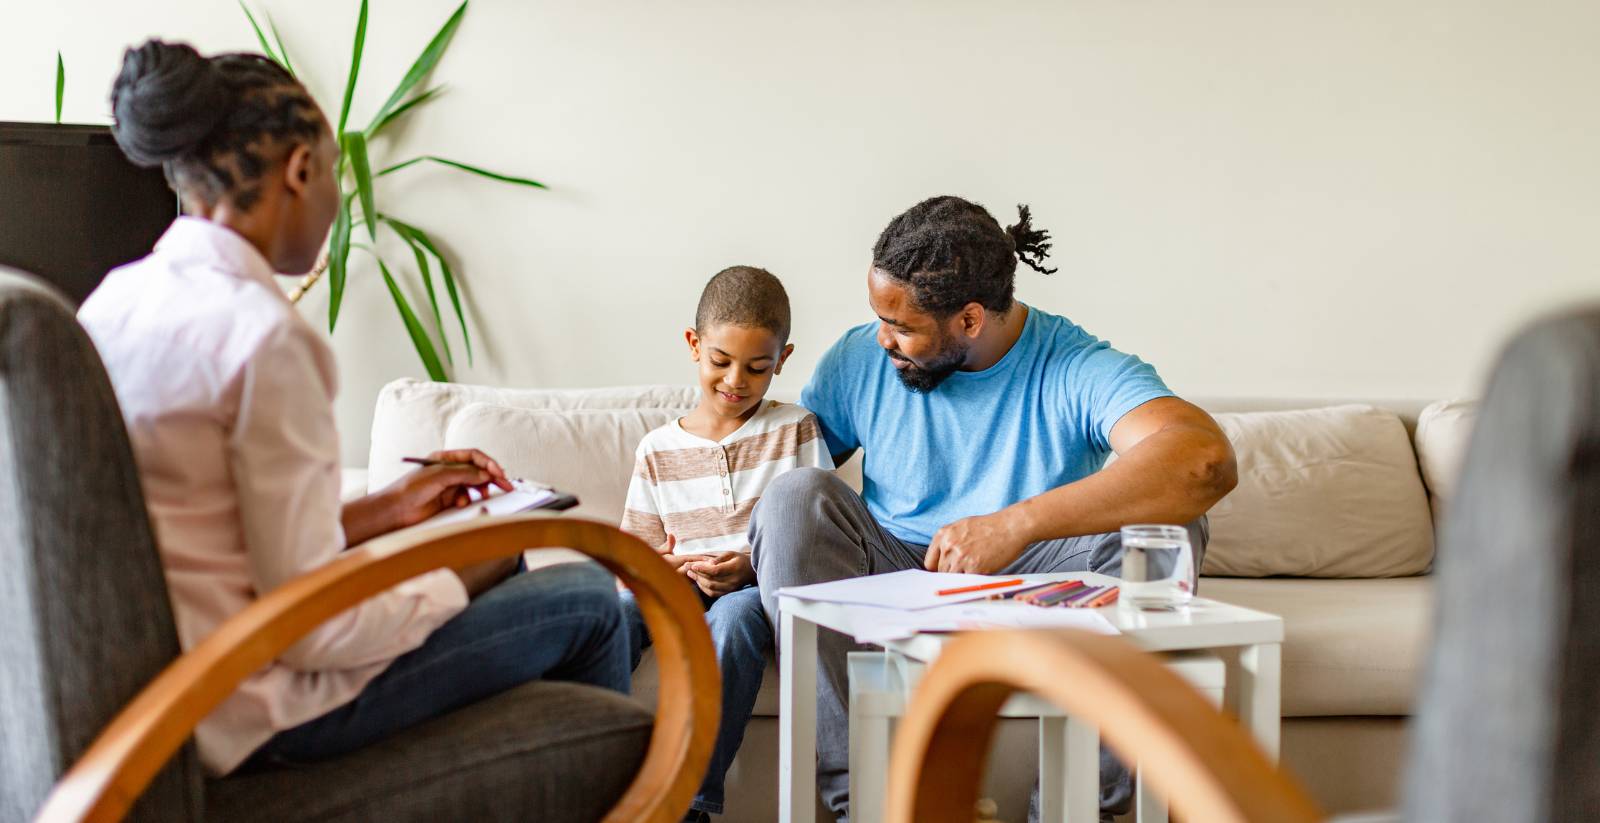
<point>72,207</point>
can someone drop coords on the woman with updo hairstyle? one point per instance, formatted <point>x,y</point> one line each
<point>228,397</point>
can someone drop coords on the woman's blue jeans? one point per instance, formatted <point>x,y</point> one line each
<point>555,623</point>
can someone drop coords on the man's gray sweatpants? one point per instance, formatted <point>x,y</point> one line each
<point>810,527</point>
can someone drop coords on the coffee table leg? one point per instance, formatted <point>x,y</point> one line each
<point>1069,771</point>
<point>797,720</point>
<point>1052,769</point>
<point>1254,674</point>
<point>1083,772</point>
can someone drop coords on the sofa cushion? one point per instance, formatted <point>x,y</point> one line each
<point>586,452</point>
<point>412,416</point>
<point>1350,647</point>
<point>1330,492</point>
<point>1444,430</point>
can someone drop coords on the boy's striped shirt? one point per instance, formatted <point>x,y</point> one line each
<point>702,492</point>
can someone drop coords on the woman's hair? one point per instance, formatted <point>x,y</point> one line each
<point>951,252</point>
<point>214,124</point>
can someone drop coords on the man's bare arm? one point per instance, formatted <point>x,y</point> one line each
<point>1173,464</point>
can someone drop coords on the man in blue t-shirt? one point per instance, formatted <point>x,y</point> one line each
<point>985,424</point>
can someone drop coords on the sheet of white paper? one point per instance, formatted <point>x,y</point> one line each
<point>910,589</point>
<point>882,625</point>
<point>1021,616</point>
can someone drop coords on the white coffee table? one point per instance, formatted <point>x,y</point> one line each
<point>1246,640</point>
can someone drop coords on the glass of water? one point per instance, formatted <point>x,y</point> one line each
<point>1158,571</point>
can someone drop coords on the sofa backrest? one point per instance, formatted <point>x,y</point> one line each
<point>1368,507</point>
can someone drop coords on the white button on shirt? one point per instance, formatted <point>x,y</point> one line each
<point>228,398</point>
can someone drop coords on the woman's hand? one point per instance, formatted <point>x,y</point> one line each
<point>443,485</point>
<point>720,574</point>
<point>422,494</point>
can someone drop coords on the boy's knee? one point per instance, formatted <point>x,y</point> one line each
<point>738,619</point>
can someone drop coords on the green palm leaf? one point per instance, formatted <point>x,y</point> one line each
<point>504,178</point>
<point>424,64</point>
<point>61,84</point>
<point>419,335</point>
<point>427,283</point>
<point>338,261</point>
<point>445,274</point>
<point>392,116</point>
<point>283,51</point>
<point>355,151</point>
<point>355,67</point>
<point>266,48</point>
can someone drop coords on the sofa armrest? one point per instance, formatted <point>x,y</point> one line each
<point>1203,762</point>
<point>118,766</point>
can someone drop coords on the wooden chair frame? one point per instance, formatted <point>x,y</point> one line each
<point>1205,765</point>
<point>117,767</point>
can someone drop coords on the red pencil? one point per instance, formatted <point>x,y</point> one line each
<point>998,584</point>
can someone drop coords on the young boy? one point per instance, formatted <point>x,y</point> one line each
<point>696,480</point>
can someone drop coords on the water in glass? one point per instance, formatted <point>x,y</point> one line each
<point>1157,568</point>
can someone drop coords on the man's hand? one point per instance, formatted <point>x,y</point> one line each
<point>977,545</point>
<point>723,573</point>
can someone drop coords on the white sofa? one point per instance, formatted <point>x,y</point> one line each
<point>1331,528</point>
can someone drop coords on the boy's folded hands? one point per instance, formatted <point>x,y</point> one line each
<point>719,574</point>
<point>715,574</point>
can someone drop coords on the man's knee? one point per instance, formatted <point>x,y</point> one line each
<point>786,519</point>
<point>797,493</point>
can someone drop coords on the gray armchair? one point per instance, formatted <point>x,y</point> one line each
<point>1508,724</point>
<point>91,672</point>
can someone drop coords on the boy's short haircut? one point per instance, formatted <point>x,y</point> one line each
<point>744,296</point>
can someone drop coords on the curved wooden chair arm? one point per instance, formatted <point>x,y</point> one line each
<point>1201,761</point>
<point>121,762</point>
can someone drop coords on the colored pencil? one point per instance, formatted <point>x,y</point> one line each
<point>1083,596</point>
<point>1063,594</point>
<point>1105,599</point>
<point>998,584</point>
<point>1016,594</point>
<point>1052,593</point>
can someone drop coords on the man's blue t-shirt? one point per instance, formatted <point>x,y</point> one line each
<point>980,441</point>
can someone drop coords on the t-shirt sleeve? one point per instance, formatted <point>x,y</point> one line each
<point>813,450</point>
<point>1110,384</point>
<point>641,515</point>
<point>826,397</point>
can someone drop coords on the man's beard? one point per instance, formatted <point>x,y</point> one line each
<point>924,379</point>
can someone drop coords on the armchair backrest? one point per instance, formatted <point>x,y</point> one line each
<point>1508,723</point>
<point>85,621</point>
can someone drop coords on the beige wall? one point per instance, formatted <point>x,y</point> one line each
<point>1271,198</point>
